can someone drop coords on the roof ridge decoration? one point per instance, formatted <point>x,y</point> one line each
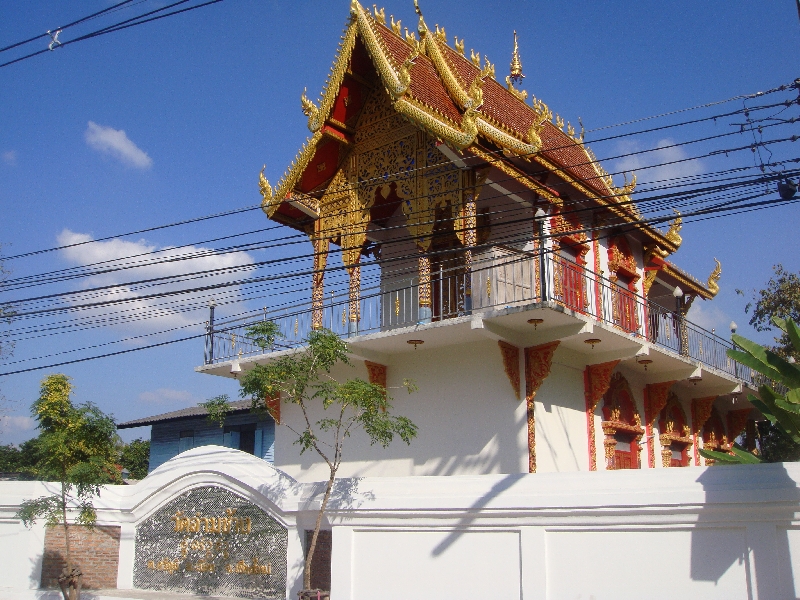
<point>397,84</point>
<point>397,81</point>
<point>674,227</point>
<point>515,73</point>
<point>318,116</point>
<point>713,280</point>
<point>273,197</point>
<point>472,99</point>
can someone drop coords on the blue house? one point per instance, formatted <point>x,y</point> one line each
<point>175,432</point>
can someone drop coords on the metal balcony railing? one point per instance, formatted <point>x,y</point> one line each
<point>502,278</point>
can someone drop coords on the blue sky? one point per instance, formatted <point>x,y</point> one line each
<point>206,98</point>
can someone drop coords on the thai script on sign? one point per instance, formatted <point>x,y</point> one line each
<point>210,547</point>
<point>255,568</point>
<point>164,564</point>
<point>219,525</point>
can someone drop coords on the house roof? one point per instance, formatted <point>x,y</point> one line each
<point>239,406</point>
<point>451,97</point>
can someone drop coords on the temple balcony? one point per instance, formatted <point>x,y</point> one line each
<point>503,298</point>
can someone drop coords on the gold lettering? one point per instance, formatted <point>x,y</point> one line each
<point>194,523</point>
<point>255,568</point>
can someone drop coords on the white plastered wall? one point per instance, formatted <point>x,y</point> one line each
<point>469,421</point>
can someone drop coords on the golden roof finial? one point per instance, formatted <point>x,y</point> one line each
<point>421,26</point>
<point>516,64</point>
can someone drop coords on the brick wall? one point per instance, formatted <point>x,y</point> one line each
<point>96,552</point>
<point>321,563</point>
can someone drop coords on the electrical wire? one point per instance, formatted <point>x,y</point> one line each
<point>499,157</point>
<point>117,27</point>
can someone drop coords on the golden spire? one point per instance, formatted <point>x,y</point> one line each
<point>516,64</point>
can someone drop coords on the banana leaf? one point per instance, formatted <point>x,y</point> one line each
<point>740,456</point>
<point>788,421</point>
<point>769,363</point>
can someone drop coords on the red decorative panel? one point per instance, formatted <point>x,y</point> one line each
<point>596,380</point>
<point>322,167</point>
<point>655,399</point>
<point>348,102</point>
<point>376,373</point>
<point>273,404</point>
<point>737,420</point>
<point>701,411</point>
<point>511,364</point>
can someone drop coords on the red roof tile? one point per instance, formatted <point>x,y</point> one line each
<point>426,86</point>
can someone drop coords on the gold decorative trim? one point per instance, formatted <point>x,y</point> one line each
<point>272,198</point>
<point>318,116</point>
<point>657,394</point>
<point>689,283</point>
<point>538,362</point>
<point>416,112</point>
<point>451,81</point>
<point>396,83</point>
<point>713,279</point>
<point>605,202</point>
<point>518,175</point>
<point>701,411</point>
<point>504,139</point>
<point>675,226</point>
<point>597,380</point>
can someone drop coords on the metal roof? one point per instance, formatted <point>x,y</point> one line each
<point>185,413</point>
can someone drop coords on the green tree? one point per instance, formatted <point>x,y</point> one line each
<point>77,447</point>
<point>9,459</point>
<point>20,459</point>
<point>782,407</point>
<point>780,298</point>
<point>304,379</point>
<point>135,457</point>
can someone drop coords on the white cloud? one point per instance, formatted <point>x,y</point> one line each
<point>709,317</point>
<point>162,395</point>
<point>663,152</point>
<point>10,157</point>
<point>18,423</point>
<point>152,314</point>
<point>115,142</point>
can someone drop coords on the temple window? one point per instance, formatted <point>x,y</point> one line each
<point>570,246</point>
<point>624,277</point>
<point>675,435</point>
<point>714,435</point>
<point>621,425</point>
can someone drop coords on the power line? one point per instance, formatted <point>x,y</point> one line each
<point>68,25</point>
<point>155,345</point>
<point>220,285</point>
<point>498,159</point>
<point>140,20</point>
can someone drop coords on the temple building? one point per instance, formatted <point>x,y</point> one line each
<point>467,239</point>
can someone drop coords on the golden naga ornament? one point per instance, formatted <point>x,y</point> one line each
<point>713,279</point>
<point>674,228</point>
<point>266,191</point>
<point>310,110</point>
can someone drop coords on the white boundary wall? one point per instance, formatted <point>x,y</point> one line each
<point>705,533</point>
